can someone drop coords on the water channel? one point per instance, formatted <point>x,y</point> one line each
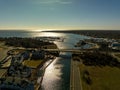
<point>57,74</point>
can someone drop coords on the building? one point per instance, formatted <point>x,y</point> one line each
<point>19,70</point>
<point>115,46</point>
<point>25,55</point>
<point>15,83</point>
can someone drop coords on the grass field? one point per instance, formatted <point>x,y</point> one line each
<point>103,78</point>
<point>32,63</point>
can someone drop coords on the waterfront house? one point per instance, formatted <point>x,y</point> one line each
<point>15,83</point>
<point>25,55</point>
<point>115,45</point>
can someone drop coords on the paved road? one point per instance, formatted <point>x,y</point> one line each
<point>75,76</point>
<point>114,55</point>
<point>68,50</point>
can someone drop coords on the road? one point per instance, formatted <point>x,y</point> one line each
<point>68,50</point>
<point>75,82</point>
<point>114,55</point>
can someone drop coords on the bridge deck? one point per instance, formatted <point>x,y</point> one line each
<point>68,50</point>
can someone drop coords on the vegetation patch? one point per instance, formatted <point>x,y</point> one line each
<point>32,63</point>
<point>96,33</point>
<point>99,70</point>
<point>98,59</point>
<point>24,42</point>
<point>105,78</point>
<point>86,77</point>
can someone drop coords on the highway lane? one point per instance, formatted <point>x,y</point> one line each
<point>75,76</point>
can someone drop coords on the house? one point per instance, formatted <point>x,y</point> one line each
<point>15,83</point>
<point>25,55</point>
<point>115,45</point>
<point>19,70</point>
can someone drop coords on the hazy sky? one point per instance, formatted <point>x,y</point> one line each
<point>59,14</point>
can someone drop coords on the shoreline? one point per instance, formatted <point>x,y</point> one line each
<point>111,34</point>
<point>41,67</point>
<point>44,72</point>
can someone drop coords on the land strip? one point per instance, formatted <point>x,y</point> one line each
<point>98,71</point>
<point>75,78</point>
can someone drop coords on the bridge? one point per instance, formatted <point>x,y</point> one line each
<point>68,50</point>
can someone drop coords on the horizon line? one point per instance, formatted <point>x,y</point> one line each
<point>53,29</point>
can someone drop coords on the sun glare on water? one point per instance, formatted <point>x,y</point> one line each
<point>38,30</point>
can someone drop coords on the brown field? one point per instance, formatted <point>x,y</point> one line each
<point>32,63</point>
<point>103,78</point>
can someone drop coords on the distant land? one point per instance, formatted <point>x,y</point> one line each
<point>112,34</point>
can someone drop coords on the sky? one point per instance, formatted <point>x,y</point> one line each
<point>60,14</point>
